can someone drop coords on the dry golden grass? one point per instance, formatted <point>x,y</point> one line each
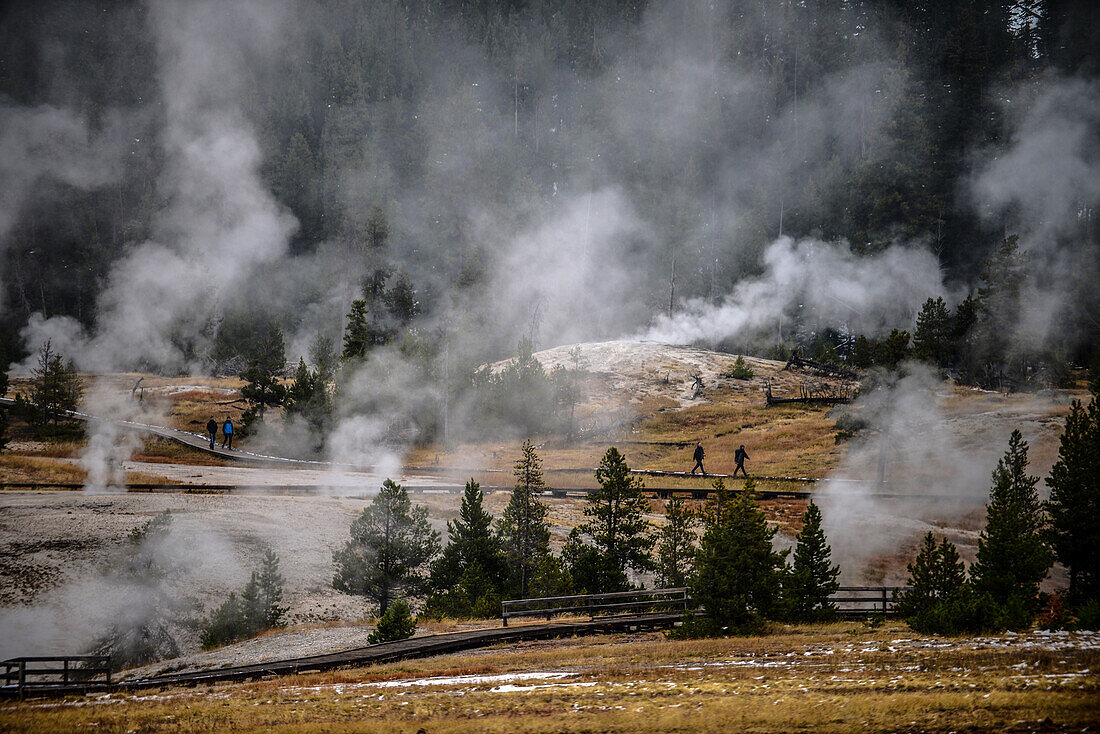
<point>52,449</point>
<point>781,441</point>
<point>137,477</point>
<point>158,450</point>
<point>191,409</point>
<point>42,470</point>
<point>834,678</point>
<point>21,469</point>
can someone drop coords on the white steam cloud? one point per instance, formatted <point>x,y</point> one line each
<point>1048,178</point>
<point>73,616</point>
<point>219,226</point>
<point>930,473</point>
<point>46,145</point>
<point>821,283</point>
<point>220,223</point>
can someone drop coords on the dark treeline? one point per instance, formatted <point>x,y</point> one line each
<point>438,113</point>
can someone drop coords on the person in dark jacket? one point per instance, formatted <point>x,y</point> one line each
<point>212,429</point>
<point>227,434</point>
<point>739,457</point>
<point>698,456</point>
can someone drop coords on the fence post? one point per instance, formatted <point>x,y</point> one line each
<point>65,671</point>
<point>884,602</point>
<point>22,678</point>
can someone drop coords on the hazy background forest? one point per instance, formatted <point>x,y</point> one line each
<point>183,179</point>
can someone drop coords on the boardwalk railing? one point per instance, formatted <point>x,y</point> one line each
<point>859,600</point>
<point>44,672</point>
<point>849,601</point>
<point>592,604</point>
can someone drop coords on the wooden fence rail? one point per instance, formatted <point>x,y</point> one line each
<point>63,670</point>
<point>855,600</point>
<point>592,604</point>
<point>849,601</point>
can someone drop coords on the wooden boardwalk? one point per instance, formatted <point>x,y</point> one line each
<point>202,443</point>
<point>386,652</point>
<point>626,615</point>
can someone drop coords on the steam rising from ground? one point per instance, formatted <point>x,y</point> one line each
<point>1049,176</point>
<point>45,146</point>
<point>122,596</point>
<point>110,444</point>
<point>821,283</point>
<point>926,459</point>
<point>220,222</point>
<point>1046,186</point>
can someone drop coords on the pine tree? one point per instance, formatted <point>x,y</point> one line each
<point>322,352</point>
<point>271,583</point>
<point>892,350</point>
<point>391,547</point>
<point>308,397</point>
<point>936,598</point>
<point>812,580</point>
<point>357,338</point>
<point>676,545</point>
<point>396,623</point>
<point>471,572</point>
<point>1074,505</point>
<point>401,300</point>
<point>225,624</point>
<point>377,231</point>
<point>1012,555</point>
<point>252,606</point>
<point>525,394</point>
<point>862,353</point>
<point>55,386</point>
<point>265,368</point>
<point>999,304</point>
<point>583,561</point>
<point>257,608</point>
<point>616,527</point>
<point>524,530</point>
<point>737,578</point>
<point>964,354</point>
<point>295,183</point>
<point>932,337</point>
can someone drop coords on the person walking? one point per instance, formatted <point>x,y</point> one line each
<point>698,456</point>
<point>227,434</point>
<point>212,429</point>
<point>739,456</point>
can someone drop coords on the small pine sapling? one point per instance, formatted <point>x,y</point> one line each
<point>396,623</point>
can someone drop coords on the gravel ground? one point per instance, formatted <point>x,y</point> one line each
<point>55,596</point>
<point>54,547</point>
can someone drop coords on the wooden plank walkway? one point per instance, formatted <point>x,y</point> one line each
<point>202,443</point>
<point>854,601</point>
<point>386,652</point>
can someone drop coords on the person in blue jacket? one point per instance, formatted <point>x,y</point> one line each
<point>227,434</point>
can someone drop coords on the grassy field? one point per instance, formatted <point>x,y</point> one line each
<point>835,678</point>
